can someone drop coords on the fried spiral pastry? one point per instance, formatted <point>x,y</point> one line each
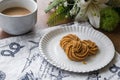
<point>77,50</point>
<point>93,48</point>
<point>66,39</point>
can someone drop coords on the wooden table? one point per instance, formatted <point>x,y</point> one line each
<point>42,19</point>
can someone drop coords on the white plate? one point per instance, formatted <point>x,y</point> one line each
<point>54,54</point>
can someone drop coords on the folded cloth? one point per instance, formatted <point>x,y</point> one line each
<point>20,59</point>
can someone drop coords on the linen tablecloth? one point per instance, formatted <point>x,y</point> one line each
<point>20,59</point>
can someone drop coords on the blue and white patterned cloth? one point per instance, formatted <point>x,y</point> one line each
<point>20,59</point>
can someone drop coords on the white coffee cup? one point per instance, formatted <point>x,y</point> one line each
<point>17,25</point>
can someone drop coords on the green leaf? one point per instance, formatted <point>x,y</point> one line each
<point>109,19</point>
<point>59,15</point>
<point>54,4</point>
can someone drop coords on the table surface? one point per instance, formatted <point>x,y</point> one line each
<point>42,23</point>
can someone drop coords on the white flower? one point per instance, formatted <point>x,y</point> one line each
<point>65,4</point>
<point>90,9</point>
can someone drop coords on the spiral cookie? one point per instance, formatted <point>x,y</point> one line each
<point>76,49</point>
<point>93,48</point>
<point>66,39</point>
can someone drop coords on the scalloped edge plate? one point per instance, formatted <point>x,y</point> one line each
<point>54,54</point>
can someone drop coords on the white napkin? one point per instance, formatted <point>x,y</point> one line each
<point>20,59</point>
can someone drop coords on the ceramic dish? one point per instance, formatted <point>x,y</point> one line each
<point>54,54</point>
